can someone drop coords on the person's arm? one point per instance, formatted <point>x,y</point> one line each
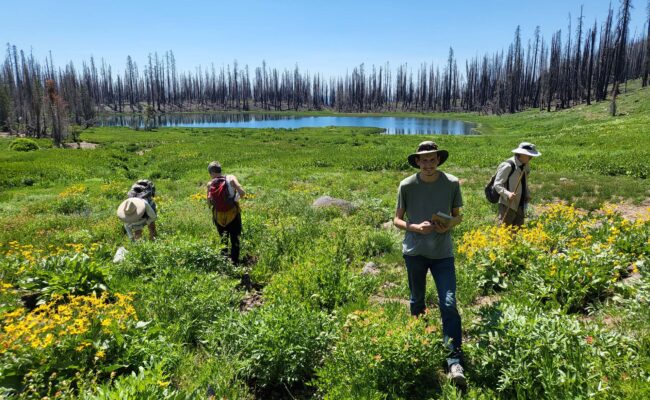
<point>500,182</point>
<point>149,213</point>
<point>129,231</point>
<point>423,228</point>
<point>237,186</point>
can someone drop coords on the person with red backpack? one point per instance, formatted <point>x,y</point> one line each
<point>224,192</point>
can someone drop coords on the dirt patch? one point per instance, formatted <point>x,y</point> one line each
<point>80,145</point>
<point>608,320</point>
<point>627,210</point>
<point>633,211</point>
<point>253,296</point>
<point>632,279</point>
<point>486,301</point>
<point>252,300</point>
<point>379,299</point>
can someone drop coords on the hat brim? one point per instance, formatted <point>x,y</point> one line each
<point>129,218</point>
<point>442,157</point>
<point>527,152</point>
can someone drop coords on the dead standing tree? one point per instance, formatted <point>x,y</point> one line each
<point>619,54</point>
<point>56,112</point>
<point>646,65</point>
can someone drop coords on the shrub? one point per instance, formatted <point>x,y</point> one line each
<point>281,343</point>
<point>184,304</point>
<point>380,355</point>
<point>376,243</point>
<point>113,190</point>
<point>63,341</point>
<point>284,243</point>
<point>23,144</point>
<point>320,281</point>
<point>573,280</point>
<point>498,254</point>
<point>151,382</point>
<point>72,204</point>
<point>66,275</point>
<point>567,258</point>
<point>526,354</point>
<point>191,255</point>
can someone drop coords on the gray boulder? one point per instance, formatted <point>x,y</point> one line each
<point>327,201</point>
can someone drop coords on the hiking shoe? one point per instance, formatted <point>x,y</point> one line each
<point>456,374</point>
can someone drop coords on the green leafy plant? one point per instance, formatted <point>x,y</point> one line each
<point>525,354</point>
<point>281,343</point>
<point>190,255</point>
<point>185,304</point>
<point>383,355</point>
<point>150,382</point>
<point>23,144</point>
<point>73,204</point>
<point>66,275</point>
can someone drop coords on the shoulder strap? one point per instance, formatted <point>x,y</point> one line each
<point>513,167</point>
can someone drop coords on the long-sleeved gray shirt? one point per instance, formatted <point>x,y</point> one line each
<point>514,184</point>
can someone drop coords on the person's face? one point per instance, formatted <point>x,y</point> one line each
<point>524,158</point>
<point>427,163</point>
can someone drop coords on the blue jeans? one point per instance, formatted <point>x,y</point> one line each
<point>444,275</point>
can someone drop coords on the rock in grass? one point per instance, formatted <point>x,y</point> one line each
<point>120,254</point>
<point>370,269</point>
<point>327,201</point>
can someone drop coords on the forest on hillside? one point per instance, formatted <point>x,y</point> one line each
<point>581,64</point>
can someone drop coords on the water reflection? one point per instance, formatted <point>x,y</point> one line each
<point>392,125</point>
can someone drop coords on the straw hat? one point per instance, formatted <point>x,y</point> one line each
<point>131,210</point>
<point>428,147</point>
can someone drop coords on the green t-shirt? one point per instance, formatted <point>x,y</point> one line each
<point>421,200</point>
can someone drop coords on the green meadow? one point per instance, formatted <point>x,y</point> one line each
<point>559,310</point>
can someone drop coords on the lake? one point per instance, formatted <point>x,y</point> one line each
<point>391,125</point>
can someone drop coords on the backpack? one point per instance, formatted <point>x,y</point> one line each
<point>149,187</point>
<point>219,195</point>
<point>142,189</point>
<point>490,194</point>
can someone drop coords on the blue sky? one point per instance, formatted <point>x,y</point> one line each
<point>327,37</point>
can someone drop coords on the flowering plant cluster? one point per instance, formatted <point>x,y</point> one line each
<point>565,258</point>
<point>64,338</point>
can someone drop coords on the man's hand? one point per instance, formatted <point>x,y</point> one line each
<point>511,195</point>
<point>423,228</point>
<point>439,227</point>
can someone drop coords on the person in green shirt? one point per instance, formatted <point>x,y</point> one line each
<point>428,206</point>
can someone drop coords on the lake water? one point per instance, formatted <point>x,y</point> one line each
<point>391,125</point>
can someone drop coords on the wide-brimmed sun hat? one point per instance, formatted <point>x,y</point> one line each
<point>428,147</point>
<point>527,149</point>
<point>131,210</point>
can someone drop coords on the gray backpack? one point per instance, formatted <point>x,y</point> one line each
<point>490,194</point>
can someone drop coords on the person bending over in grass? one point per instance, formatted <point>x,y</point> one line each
<point>428,206</point>
<point>223,196</point>
<point>145,190</point>
<point>510,183</point>
<point>136,213</point>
